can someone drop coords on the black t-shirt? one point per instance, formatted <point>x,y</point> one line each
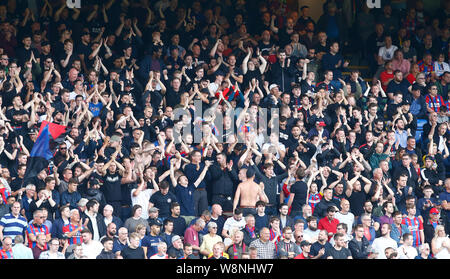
<point>357,200</point>
<point>179,225</point>
<point>172,97</point>
<point>344,253</point>
<point>112,187</point>
<point>299,188</point>
<point>130,253</point>
<point>162,202</point>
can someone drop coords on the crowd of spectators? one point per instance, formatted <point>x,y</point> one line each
<point>348,165</point>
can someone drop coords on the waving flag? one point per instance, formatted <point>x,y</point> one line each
<point>50,134</point>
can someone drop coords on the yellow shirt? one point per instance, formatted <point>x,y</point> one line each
<point>208,242</point>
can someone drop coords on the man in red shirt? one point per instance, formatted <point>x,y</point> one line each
<point>306,247</point>
<point>387,75</point>
<point>329,223</point>
<point>191,235</point>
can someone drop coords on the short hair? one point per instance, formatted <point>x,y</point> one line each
<point>338,235</point>
<point>173,205</point>
<point>311,218</point>
<point>86,230</point>
<point>283,204</point>
<point>164,185</point>
<point>396,213</point>
<point>286,228</point>
<point>248,217</point>
<point>134,235</point>
<point>106,239</point>
<point>18,239</point>
<point>406,236</point>
<point>91,203</point>
<point>250,173</point>
<point>140,227</point>
<point>273,218</point>
<point>238,211</point>
<point>62,208</point>
<point>206,213</point>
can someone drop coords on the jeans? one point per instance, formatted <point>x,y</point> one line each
<point>200,202</point>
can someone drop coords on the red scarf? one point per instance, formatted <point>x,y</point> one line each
<point>250,231</point>
<point>235,252</point>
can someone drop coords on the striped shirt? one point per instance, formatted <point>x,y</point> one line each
<point>76,239</point>
<point>6,254</point>
<point>36,230</point>
<point>13,226</point>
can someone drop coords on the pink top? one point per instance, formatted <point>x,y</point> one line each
<point>191,236</point>
<point>403,66</point>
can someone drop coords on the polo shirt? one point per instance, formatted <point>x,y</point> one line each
<point>162,202</point>
<point>329,226</point>
<point>36,230</point>
<point>191,236</point>
<point>13,226</point>
<point>151,242</point>
<point>185,196</point>
<point>118,246</point>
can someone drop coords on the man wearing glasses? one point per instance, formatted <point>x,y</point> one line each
<point>53,252</point>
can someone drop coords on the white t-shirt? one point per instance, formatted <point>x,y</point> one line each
<point>387,53</point>
<point>347,219</point>
<point>406,252</point>
<point>311,236</point>
<point>231,223</point>
<point>142,199</point>
<point>92,250</point>
<point>381,243</point>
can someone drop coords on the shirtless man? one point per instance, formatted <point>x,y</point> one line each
<point>249,193</point>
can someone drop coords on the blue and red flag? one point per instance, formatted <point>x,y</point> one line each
<point>50,134</point>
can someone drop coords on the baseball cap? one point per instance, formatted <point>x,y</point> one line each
<point>429,158</point>
<point>32,131</point>
<point>321,123</point>
<point>153,209</point>
<point>45,43</point>
<point>175,238</point>
<point>272,86</point>
<point>434,210</point>
<point>155,222</point>
<point>406,102</point>
<point>82,202</point>
<point>304,243</point>
<point>85,33</point>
